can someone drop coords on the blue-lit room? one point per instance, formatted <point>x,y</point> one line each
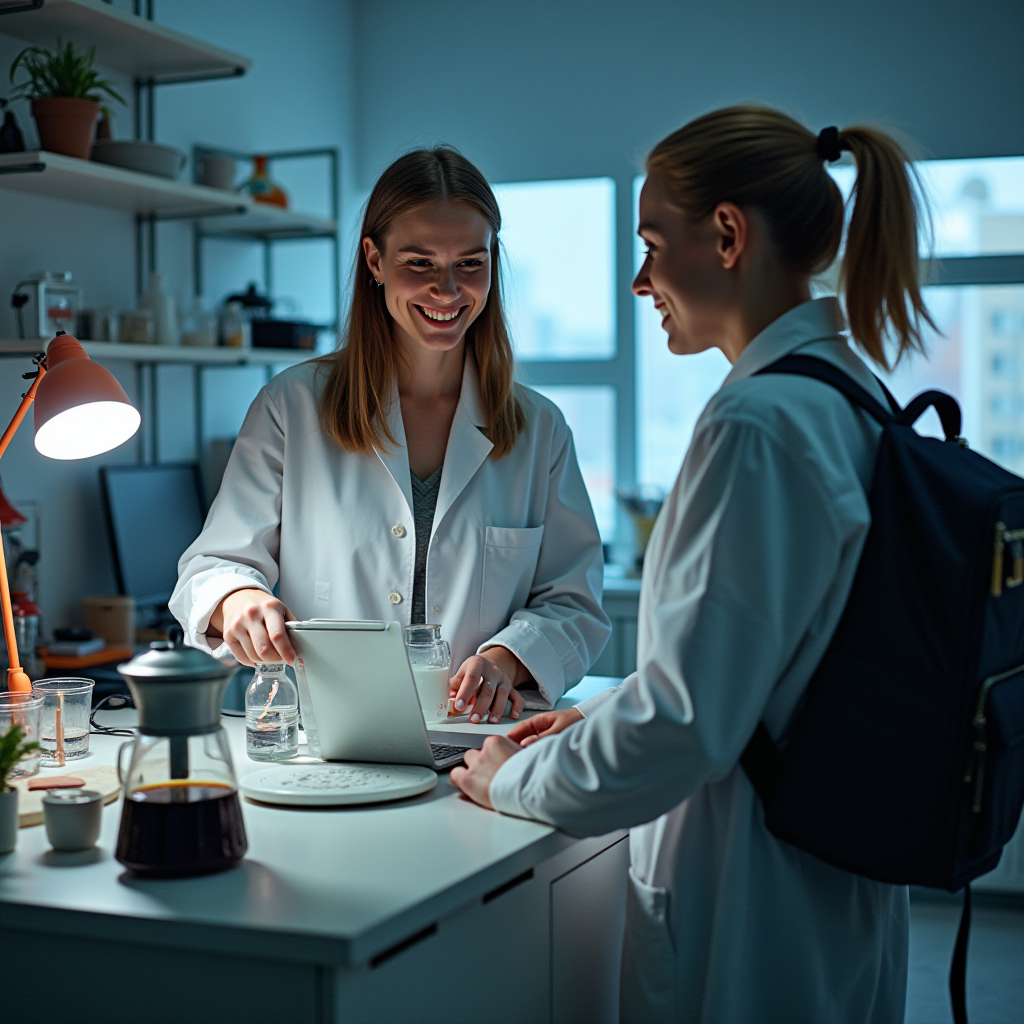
<point>512,512</point>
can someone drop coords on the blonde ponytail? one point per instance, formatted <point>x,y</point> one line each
<point>761,158</point>
<point>880,274</point>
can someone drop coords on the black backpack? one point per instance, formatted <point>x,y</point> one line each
<point>905,763</point>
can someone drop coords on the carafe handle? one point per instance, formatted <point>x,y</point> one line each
<point>120,751</point>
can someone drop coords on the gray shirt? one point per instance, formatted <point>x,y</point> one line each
<point>424,502</point>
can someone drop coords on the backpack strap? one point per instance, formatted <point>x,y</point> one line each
<point>821,369</point>
<point>958,967</point>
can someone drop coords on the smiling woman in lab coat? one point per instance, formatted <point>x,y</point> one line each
<point>746,576</point>
<point>406,477</point>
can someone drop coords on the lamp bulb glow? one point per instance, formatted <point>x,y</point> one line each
<point>87,430</point>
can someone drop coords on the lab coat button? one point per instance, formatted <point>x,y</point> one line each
<point>398,531</point>
<point>437,607</point>
<point>395,597</point>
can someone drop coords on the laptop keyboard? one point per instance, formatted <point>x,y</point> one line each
<point>447,756</point>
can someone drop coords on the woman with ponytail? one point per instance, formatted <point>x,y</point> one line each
<point>746,577</point>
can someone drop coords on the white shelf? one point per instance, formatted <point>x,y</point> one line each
<point>106,350</point>
<point>85,181</point>
<point>124,41</point>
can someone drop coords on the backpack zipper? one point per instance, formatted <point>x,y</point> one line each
<point>976,769</point>
<point>1015,538</point>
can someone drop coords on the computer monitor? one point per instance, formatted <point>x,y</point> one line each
<point>153,514</point>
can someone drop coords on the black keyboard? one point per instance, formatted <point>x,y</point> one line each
<point>447,756</point>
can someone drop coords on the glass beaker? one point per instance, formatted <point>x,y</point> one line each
<point>181,813</point>
<point>431,660</point>
<point>64,731</point>
<point>26,710</point>
<point>271,715</point>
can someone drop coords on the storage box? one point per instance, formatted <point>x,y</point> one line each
<point>112,618</point>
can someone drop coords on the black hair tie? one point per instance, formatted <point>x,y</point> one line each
<point>828,144</point>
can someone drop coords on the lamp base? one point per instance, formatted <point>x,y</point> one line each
<point>18,681</point>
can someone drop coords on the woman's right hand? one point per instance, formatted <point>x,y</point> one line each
<point>252,623</point>
<point>547,723</point>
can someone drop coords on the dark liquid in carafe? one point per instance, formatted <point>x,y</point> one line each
<point>181,828</point>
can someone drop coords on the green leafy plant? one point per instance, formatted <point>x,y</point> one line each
<point>12,750</point>
<point>62,72</point>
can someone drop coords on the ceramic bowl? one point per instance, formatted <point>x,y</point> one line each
<point>136,155</point>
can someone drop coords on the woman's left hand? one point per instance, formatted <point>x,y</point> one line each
<point>481,766</point>
<point>486,683</point>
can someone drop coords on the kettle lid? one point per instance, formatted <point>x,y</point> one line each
<point>171,659</point>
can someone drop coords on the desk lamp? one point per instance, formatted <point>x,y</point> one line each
<point>80,411</point>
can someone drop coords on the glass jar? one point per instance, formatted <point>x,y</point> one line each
<point>430,658</point>
<point>271,715</point>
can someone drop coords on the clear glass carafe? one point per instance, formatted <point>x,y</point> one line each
<point>271,715</point>
<point>181,813</point>
<point>431,660</point>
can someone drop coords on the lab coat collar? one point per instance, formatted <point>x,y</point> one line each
<point>467,446</point>
<point>817,320</point>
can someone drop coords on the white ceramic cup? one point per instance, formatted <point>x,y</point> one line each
<point>216,170</point>
<point>72,818</point>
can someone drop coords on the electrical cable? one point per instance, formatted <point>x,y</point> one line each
<point>116,702</point>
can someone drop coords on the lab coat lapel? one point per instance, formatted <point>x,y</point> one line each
<point>396,459</point>
<point>467,447</point>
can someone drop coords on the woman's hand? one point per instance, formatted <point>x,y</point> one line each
<point>252,625</point>
<point>487,682</point>
<point>481,766</point>
<point>547,723</point>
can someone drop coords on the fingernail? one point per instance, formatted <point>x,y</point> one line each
<point>515,714</point>
<point>459,705</point>
<point>474,718</point>
<point>494,718</point>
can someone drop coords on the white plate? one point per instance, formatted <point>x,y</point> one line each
<point>329,785</point>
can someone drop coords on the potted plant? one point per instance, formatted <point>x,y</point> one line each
<point>12,750</point>
<point>65,91</point>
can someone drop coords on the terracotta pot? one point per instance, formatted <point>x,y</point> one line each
<point>66,125</point>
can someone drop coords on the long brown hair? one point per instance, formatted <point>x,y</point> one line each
<point>761,158</point>
<point>361,374</point>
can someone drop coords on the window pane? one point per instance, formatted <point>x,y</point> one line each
<point>671,390</point>
<point>979,359</point>
<point>590,412</point>
<point>559,249</point>
<point>976,206</point>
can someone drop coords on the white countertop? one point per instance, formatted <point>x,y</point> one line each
<point>317,885</point>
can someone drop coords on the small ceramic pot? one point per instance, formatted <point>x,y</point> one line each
<point>8,820</point>
<point>66,125</point>
<point>73,818</point>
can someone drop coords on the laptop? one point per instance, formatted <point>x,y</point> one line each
<point>358,697</point>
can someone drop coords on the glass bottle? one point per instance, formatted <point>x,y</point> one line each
<point>262,188</point>
<point>271,715</point>
<point>430,658</point>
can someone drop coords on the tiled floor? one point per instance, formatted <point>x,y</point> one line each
<point>995,964</point>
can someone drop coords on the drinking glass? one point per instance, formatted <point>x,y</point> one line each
<point>430,658</point>
<point>24,709</point>
<point>64,733</point>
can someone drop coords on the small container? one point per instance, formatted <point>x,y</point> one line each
<point>73,818</point>
<point>271,715</point>
<point>137,327</point>
<point>164,309</point>
<point>198,327</point>
<point>261,187</point>
<point>431,660</point>
<point>26,710</point>
<point>235,327</point>
<point>64,731</point>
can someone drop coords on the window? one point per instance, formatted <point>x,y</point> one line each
<point>559,241</point>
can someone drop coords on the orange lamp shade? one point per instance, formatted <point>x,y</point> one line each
<point>80,408</point>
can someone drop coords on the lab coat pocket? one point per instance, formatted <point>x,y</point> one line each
<point>510,561</point>
<point>648,956</point>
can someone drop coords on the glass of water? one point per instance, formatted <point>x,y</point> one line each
<point>24,709</point>
<point>271,715</point>
<point>64,731</point>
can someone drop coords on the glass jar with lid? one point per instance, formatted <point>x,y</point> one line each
<point>430,658</point>
<point>271,714</point>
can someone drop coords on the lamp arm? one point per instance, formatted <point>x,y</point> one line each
<point>17,679</point>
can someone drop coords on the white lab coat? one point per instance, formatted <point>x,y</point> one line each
<point>746,576</point>
<point>514,556</point>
